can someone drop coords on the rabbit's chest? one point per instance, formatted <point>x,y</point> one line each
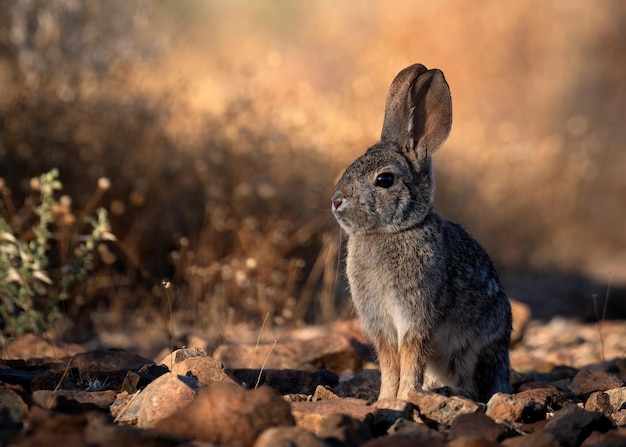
<point>389,289</point>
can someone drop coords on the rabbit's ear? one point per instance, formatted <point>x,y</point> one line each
<point>418,115</point>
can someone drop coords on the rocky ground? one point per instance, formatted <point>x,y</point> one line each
<point>315,386</point>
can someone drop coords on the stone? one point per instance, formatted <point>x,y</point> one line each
<point>310,415</point>
<point>364,385</point>
<point>617,398</point>
<point>340,429</point>
<point>108,360</point>
<point>588,381</point>
<point>537,439</point>
<point>289,437</point>
<point>49,399</point>
<point>571,425</point>
<point>475,426</point>
<point>404,440</point>
<point>34,346</point>
<point>612,438</point>
<point>600,402</point>
<point>389,411</point>
<point>438,409</point>
<point>285,381</point>
<point>619,418</point>
<point>224,413</point>
<point>472,442</point>
<point>179,355</point>
<point>13,408</point>
<point>527,406</point>
<point>323,393</point>
<point>161,398</point>
<point>205,369</point>
<point>316,353</point>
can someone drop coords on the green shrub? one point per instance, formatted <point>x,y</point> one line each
<point>31,289</point>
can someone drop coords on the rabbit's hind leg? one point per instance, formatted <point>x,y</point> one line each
<point>492,372</point>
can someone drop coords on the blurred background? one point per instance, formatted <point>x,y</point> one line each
<point>222,126</point>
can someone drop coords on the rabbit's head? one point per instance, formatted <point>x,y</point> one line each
<point>390,187</point>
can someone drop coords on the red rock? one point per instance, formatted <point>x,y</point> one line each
<point>48,398</point>
<point>475,426</point>
<point>340,429</point>
<point>31,345</point>
<point>588,381</point>
<point>288,436</point>
<point>161,398</point>
<point>404,440</point>
<point>108,360</point>
<point>322,352</point>
<point>599,401</point>
<point>309,415</point>
<point>224,413</point>
<point>433,407</point>
<point>538,439</point>
<point>12,406</point>
<point>472,442</point>
<point>571,425</point>
<point>612,438</point>
<point>617,398</point>
<point>205,369</point>
<point>528,406</point>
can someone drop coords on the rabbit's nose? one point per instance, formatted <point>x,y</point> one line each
<point>337,201</point>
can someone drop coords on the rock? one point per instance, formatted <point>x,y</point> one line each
<point>475,426</point>
<point>285,381</point>
<point>438,409</point>
<point>388,411</point>
<point>588,381</point>
<point>52,429</point>
<point>309,415</point>
<point>599,402</point>
<point>34,346</point>
<point>612,438</point>
<point>13,408</point>
<point>48,398</point>
<point>521,318</point>
<point>205,369</point>
<point>323,393</point>
<point>340,429</point>
<point>538,439</point>
<point>527,406</point>
<point>472,442</point>
<point>617,398</point>
<point>288,437</point>
<point>224,413</point>
<point>161,398</point>
<point>99,432</point>
<point>417,430</point>
<point>316,353</point>
<point>404,440</point>
<point>108,360</point>
<point>181,354</point>
<point>619,418</point>
<point>364,385</point>
<point>571,425</point>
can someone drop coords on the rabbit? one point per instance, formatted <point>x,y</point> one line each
<point>426,293</point>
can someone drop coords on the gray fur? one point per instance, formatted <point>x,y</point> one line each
<point>426,292</point>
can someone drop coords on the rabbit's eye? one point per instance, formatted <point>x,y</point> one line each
<point>384,180</point>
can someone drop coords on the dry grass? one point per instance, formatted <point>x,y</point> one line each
<point>223,125</point>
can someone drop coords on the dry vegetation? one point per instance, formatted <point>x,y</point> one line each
<point>222,126</point>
